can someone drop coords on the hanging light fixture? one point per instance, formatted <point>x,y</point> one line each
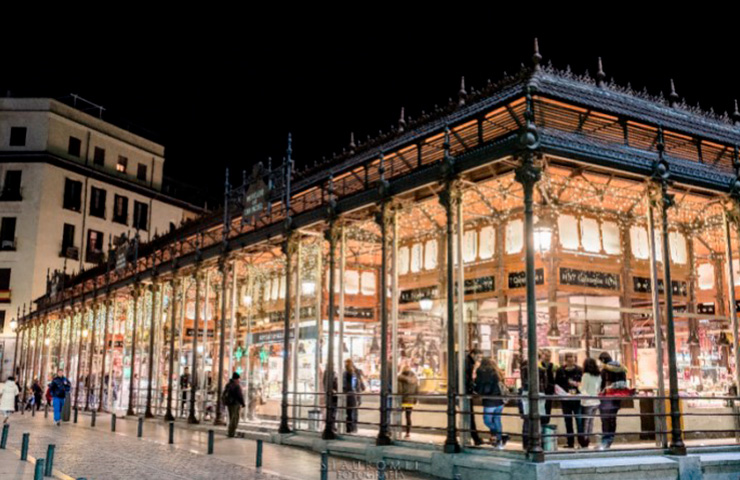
<point>13,324</point>
<point>308,287</point>
<point>47,342</point>
<point>84,333</point>
<point>426,304</point>
<point>543,234</point>
<point>247,300</point>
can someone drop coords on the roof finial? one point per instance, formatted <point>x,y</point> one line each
<point>673,96</point>
<point>352,144</point>
<point>402,121</point>
<point>600,75</point>
<point>736,114</point>
<point>462,94</point>
<point>536,58</point>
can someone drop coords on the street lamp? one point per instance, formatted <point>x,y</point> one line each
<point>84,333</point>
<point>47,342</point>
<point>426,304</point>
<point>13,324</point>
<point>308,287</point>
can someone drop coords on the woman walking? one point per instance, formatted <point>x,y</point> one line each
<point>7,401</point>
<point>408,388</point>
<point>488,381</point>
<point>590,387</point>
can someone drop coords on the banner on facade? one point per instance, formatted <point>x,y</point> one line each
<point>519,279</point>
<point>588,278</point>
<point>644,285</point>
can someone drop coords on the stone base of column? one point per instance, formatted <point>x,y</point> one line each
<point>168,417</point>
<point>192,420</point>
<point>148,413</point>
<point>383,439</point>
<point>451,446</point>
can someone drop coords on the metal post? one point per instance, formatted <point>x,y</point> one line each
<point>232,317</point>
<point>90,357</point>
<point>113,422</point>
<point>528,175</point>
<point>171,436</point>
<point>660,418</point>
<point>24,447</point>
<point>204,377</point>
<point>324,465</point>
<point>194,358</point>
<point>210,442</point>
<point>258,461</point>
<point>79,360</point>
<point>396,400</point>
<point>221,342</point>
<point>288,248</point>
<point>49,460</point>
<point>340,362</point>
<point>448,199</point>
<point>150,360</point>
<point>466,403</point>
<point>46,410</point>
<point>76,412</point>
<point>331,408</point>
<point>297,330</point>
<point>130,410</point>
<point>108,304</point>
<point>92,418</point>
<point>169,417</point>
<point>662,174</point>
<point>140,427</point>
<point>383,218</point>
<point>731,296</point>
<point>4,437</point>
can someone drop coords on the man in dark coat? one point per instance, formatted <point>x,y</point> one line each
<point>233,398</point>
<point>471,360</point>
<point>59,388</point>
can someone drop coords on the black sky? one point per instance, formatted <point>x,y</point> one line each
<point>221,90</point>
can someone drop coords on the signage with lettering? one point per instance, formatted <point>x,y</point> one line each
<point>479,285</point>
<point>356,312</point>
<point>276,336</point>
<point>189,332</point>
<point>706,308</point>
<point>416,294</point>
<point>587,278</point>
<point>519,279</point>
<point>255,196</point>
<point>644,285</point>
<point>279,316</point>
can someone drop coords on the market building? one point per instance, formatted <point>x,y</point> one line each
<point>543,209</point>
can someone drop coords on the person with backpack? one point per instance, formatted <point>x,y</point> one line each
<point>59,388</point>
<point>233,398</point>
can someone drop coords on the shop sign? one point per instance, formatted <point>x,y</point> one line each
<point>356,312</point>
<point>519,279</point>
<point>279,316</point>
<point>707,308</point>
<point>255,197</point>
<point>416,294</point>
<point>479,285</point>
<point>587,278</point>
<point>189,332</point>
<point>643,285</point>
<point>276,336</point>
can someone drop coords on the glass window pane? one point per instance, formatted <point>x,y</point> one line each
<point>352,282</point>
<point>705,271</point>
<point>639,241</point>
<point>470,246</point>
<point>514,236</point>
<point>416,258</point>
<point>678,247</point>
<point>403,260</point>
<point>430,255</point>
<point>590,235</point>
<point>568,230</point>
<point>487,242</point>
<point>367,281</point>
<point>610,233</point>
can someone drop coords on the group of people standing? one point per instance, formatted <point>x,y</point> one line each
<point>581,390</point>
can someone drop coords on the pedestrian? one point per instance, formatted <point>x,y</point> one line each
<point>568,378</point>
<point>488,383</point>
<point>184,387</point>
<point>18,401</point>
<point>590,387</point>
<point>233,398</point>
<point>408,388</point>
<point>7,398</point>
<point>59,387</point>
<point>254,397</point>
<point>37,393</point>
<point>471,361</point>
<point>550,371</point>
<point>613,384</point>
<point>352,385</point>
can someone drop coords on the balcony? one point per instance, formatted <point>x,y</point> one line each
<point>73,253</point>
<point>11,194</point>
<point>96,257</point>
<point>8,244</point>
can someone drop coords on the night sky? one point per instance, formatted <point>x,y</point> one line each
<point>224,92</point>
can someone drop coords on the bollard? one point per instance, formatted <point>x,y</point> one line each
<point>38,473</point>
<point>259,454</point>
<point>49,460</point>
<point>172,433</point>
<point>210,442</point>
<point>33,410</point>
<point>92,419</point>
<point>324,465</point>
<point>46,410</point>
<point>75,419</point>
<point>140,429</point>
<point>4,438</point>
<point>24,447</point>
<point>113,422</point>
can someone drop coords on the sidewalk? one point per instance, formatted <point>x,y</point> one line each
<point>11,467</point>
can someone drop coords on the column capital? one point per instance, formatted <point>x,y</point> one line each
<point>290,244</point>
<point>528,173</point>
<point>451,195</point>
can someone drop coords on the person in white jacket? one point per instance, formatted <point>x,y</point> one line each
<point>7,401</point>
<point>590,387</point>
